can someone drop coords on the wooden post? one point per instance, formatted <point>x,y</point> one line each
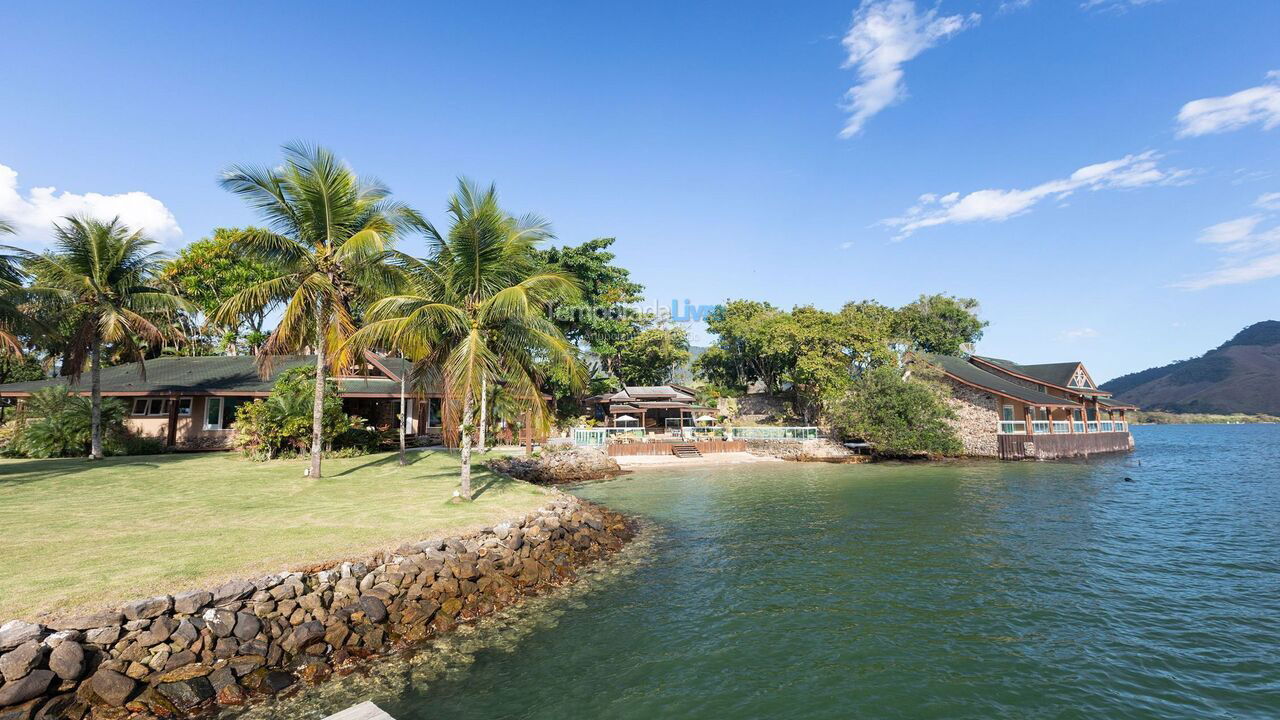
<point>1026,419</point>
<point>173,422</point>
<point>1049,411</point>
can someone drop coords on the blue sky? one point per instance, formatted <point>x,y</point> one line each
<point>708,139</point>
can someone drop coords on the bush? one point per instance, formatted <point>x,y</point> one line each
<point>55,423</point>
<point>280,425</point>
<point>899,417</point>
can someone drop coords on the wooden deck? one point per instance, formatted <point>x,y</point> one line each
<point>664,448</point>
<point>1062,445</point>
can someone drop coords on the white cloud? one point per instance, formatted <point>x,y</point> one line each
<point>1130,171</point>
<point>34,214</point>
<point>846,244</point>
<point>1268,201</point>
<point>1078,334</point>
<point>885,34</point>
<point>1118,5</point>
<point>1256,105</point>
<point>1250,246</point>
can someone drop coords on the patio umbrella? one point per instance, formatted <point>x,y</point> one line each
<point>625,418</point>
<point>706,418</point>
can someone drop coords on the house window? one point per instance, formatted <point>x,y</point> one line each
<point>1008,413</point>
<point>184,406</point>
<point>213,413</point>
<point>139,406</point>
<point>1075,415</point>
<point>150,406</point>
<point>433,413</point>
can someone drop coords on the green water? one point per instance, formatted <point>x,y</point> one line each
<point>971,590</point>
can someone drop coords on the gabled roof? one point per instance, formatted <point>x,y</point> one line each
<point>1056,374</point>
<point>966,372</point>
<point>638,392</point>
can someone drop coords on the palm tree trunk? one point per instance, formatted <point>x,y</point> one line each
<point>404,418</point>
<point>317,407</point>
<point>95,400</point>
<point>484,396</point>
<point>468,414</point>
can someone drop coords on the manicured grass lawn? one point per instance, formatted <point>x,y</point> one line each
<point>78,535</point>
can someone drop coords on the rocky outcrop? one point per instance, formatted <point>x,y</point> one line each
<point>558,464</point>
<point>811,450</point>
<point>177,656</point>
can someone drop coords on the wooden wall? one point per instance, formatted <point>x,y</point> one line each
<point>1062,445</point>
<point>664,448</point>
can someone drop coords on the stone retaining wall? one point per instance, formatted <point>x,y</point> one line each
<point>816,449</point>
<point>977,415</point>
<point>185,654</point>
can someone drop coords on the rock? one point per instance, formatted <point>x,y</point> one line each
<point>159,631</point>
<point>89,622</point>
<point>150,703</point>
<point>186,672</point>
<point>232,694</point>
<point>103,636</point>
<point>269,681</point>
<point>451,607</point>
<point>21,660</point>
<point>373,608</point>
<point>25,711</point>
<point>304,635</point>
<point>182,658</point>
<point>336,635</point>
<point>315,671</point>
<point>222,677</point>
<point>67,660</point>
<point>137,671</point>
<point>559,464</point>
<point>220,622</point>
<point>242,665</point>
<point>189,603</point>
<point>186,694</point>
<point>112,687</point>
<point>185,635</point>
<point>62,707</point>
<point>148,608</point>
<point>234,590</point>
<point>31,685</point>
<point>226,647</point>
<point>60,637</point>
<point>247,626</point>
<point>17,632</point>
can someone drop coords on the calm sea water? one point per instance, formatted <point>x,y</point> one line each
<point>968,590</point>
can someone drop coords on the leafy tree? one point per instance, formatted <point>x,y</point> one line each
<point>653,356</point>
<point>900,417</point>
<point>743,351</point>
<point>103,276</point>
<point>11,317</point>
<point>328,237</point>
<point>57,423</point>
<point>602,322</point>
<point>940,324</point>
<point>210,271</point>
<point>477,311</point>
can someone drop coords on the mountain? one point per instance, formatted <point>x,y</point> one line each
<point>1241,375</point>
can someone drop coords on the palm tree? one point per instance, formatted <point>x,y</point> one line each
<point>476,311</point>
<point>10,281</point>
<point>104,275</point>
<point>328,236</point>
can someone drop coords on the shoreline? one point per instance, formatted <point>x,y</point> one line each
<point>633,462</point>
<point>245,641</point>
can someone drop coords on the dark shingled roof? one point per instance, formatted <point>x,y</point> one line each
<point>199,375</point>
<point>971,374</point>
<point>1051,373</point>
<point>1116,404</point>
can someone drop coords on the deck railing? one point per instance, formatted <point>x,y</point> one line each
<point>1060,427</point>
<point>773,433</point>
<point>597,436</point>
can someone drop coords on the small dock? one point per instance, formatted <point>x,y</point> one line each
<point>364,711</point>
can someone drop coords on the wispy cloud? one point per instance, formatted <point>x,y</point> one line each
<point>1250,247</point>
<point>885,35</point>
<point>1130,171</point>
<point>1252,106</point>
<point>33,214</point>
<point>1116,5</point>
<point>1077,334</point>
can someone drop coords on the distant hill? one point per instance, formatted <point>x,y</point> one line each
<point>684,375</point>
<point>1240,376</point>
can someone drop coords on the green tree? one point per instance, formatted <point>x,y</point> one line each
<point>11,277</point>
<point>900,417</point>
<point>210,271</point>
<point>60,424</point>
<point>940,324</point>
<point>477,312</point>
<point>602,321</point>
<point>653,356</point>
<point>743,351</point>
<point>104,275</point>
<point>328,237</point>
<point>280,423</point>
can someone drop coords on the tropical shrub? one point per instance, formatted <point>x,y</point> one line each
<point>56,423</point>
<point>280,425</point>
<point>899,417</point>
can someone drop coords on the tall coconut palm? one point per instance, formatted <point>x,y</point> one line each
<point>476,311</point>
<point>104,275</point>
<point>10,281</point>
<point>328,235</point>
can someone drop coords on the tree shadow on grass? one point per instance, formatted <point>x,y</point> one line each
<point>22,472</point>
<point>493,480</point>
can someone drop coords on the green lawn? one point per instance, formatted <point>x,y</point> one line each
<point>78,535</point>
